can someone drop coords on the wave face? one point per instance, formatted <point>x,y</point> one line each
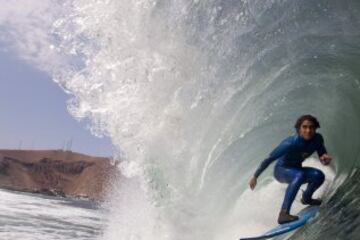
<point>194,94</point>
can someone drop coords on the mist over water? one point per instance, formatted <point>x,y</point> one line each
<point>194,94</point>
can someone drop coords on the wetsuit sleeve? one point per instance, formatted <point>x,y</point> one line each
<point>321,148</point>
<point>279,151</point>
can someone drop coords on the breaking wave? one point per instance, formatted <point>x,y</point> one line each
<point>194,94</point>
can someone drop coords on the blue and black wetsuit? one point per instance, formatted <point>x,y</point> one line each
<point>291,153</point>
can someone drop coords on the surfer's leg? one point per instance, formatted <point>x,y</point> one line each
<point>315,178</point>
<point>294,177</point>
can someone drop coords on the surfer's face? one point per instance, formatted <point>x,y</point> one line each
<point>307,130</point>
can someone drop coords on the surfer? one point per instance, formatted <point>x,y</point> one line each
<point>290,154</point>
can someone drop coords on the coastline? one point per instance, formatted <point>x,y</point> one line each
<point>56,173</point>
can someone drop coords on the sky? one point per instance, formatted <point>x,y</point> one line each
<point>33,113</point>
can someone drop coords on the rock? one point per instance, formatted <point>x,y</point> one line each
<point>56,173</point>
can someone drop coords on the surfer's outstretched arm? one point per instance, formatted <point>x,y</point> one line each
<point>275,154</point>
<point>322,153</point>
<point>321,150</point>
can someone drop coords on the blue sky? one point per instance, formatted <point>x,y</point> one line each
<point>33,112</point>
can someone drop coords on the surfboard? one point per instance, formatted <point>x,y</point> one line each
<point>304,215</point>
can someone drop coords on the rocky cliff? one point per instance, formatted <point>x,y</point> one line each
<point>55,172</point>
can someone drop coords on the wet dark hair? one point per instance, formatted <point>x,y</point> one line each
<point>310,118</point>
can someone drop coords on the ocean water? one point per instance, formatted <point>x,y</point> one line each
<point>36,217</point>
<point>194,94</point>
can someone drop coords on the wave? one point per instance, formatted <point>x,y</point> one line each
<point>194,94</point>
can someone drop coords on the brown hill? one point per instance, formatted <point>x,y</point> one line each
<point>55,172</point>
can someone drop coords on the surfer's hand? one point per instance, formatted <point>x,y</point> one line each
<point>252,182</point>
<point>325,159</point>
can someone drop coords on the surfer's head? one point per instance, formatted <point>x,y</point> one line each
<point>306,126</point>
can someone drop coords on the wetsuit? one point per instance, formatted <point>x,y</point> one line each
<point>291,153</point>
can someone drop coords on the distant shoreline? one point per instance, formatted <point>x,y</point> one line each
<point>56,173</point>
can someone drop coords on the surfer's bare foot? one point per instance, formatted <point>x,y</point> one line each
<point>285,217</point>
<point>312,202</point>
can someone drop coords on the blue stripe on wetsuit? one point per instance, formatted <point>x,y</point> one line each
<point>291,153</point>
